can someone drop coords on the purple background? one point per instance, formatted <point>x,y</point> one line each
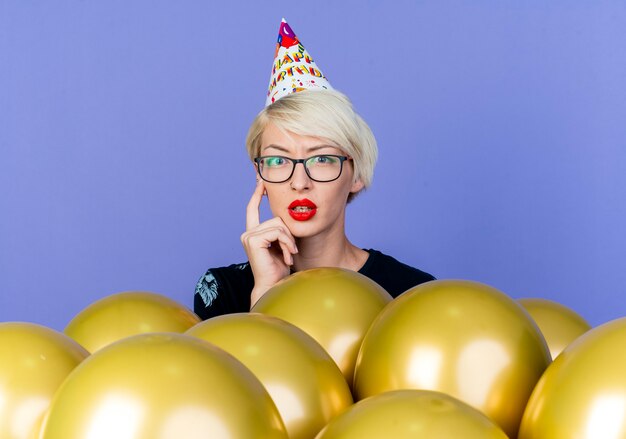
<point>501,128</point>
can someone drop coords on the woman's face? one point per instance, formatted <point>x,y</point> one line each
<point>307,207</point>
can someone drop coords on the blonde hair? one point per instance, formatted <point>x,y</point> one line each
<point>327,114</point>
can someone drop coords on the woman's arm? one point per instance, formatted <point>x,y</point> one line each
<point>224,290</point>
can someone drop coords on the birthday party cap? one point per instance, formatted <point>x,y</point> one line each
<point>294,69</point>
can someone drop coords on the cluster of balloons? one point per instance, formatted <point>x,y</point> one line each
<point>325,354</point>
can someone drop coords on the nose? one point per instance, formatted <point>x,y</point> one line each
<point>300,179</point>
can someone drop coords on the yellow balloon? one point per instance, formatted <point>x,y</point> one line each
<point>332,305</point>
<point>162,386</point>
<point>458,337</point>
<point>411,414</point>
<point>583,393</point>
<point>36,432</point>
<point>559,324</point>
<point>34,361</point>
<point>125,314</point>
<point>304,382</point>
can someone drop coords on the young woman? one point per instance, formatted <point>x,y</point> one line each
<point>313,154</point>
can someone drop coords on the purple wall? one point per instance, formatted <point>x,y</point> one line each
<point>501,128</point>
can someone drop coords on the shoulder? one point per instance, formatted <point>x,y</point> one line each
<point>394,276</point>
<point>224,290</point>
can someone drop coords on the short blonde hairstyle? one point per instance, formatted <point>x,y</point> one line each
<point>327,114</point>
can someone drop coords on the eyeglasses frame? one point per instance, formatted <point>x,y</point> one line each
<point>341,158</point>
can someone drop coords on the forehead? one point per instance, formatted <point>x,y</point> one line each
<point>275,140</point>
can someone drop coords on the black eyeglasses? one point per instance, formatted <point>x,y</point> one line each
<point>321,168</point>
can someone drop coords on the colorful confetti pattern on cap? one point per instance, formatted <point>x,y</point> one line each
<point>294,69</point>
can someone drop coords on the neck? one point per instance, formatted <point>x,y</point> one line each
<point>331,250</point>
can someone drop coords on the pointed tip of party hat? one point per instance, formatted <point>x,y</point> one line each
<point>294,69</point>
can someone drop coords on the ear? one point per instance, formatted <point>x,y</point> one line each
<point>357,185</point>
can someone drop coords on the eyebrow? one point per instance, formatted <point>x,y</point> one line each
<point>311,149</point>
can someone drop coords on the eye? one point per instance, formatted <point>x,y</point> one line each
<point>274,161</point>
<point>324,160</point>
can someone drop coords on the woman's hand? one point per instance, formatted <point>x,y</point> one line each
<point>269,245</point>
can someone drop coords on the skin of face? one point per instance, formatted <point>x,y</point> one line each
<point>330,197</point>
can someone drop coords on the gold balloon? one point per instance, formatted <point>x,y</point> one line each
<point>304,382</point>
<point>36,432</point>
<point>411,414</point>
<point>559,324</point>
<point>34,361</point>
<point>125,314</point>
<point>583,393</point>
<point>332,305</point>
<point>165,386</point>
<point>458,337</point>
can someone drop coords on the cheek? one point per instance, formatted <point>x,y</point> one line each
<point>337,200</point>
<point>344,192</point>
<point>275,201</point>
<point>274,209</point>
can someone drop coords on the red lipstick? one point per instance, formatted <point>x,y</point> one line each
<point>302,210</point>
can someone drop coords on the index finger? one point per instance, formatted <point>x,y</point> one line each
<point>252,211</point>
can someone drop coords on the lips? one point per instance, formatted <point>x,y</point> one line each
<point>302,210</point>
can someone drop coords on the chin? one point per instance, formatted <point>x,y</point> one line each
<point>300,229</point>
